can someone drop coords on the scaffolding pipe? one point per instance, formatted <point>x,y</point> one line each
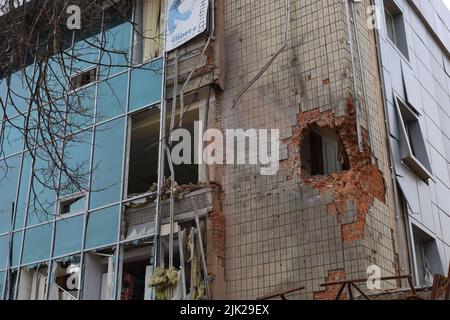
<point>182,270</point>
<point>192,263</point>
<point>10,254</point>
<point>363,78</point>
<point>174,94</point>
<point>161,161</point>
<point>172,203</point>
<point>269,63</point>
<point>202,249</point>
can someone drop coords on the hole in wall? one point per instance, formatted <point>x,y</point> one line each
<point>322,152</point>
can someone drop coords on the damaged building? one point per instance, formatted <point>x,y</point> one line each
<point>363,183</point>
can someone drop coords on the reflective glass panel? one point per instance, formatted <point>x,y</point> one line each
<point>37,244</point>
<point>102,227</point>
<point>146,85</point>
<point>108,159</point>
<point>68,236</point>
<point>9,175</point>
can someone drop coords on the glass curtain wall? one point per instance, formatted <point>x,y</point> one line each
<point>52,240</point>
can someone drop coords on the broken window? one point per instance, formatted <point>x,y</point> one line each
<point>143,151</point>
<point>395,26</point>
<point>148,38</point>
<point>322,152</point>
<point>99,271</point>
<point>83,79</point>
<point>137,268</point>
<point>72,205</point>
<point>428,261</point>
<point>11,284</point>
<point>32,283</point>
<point>65,279</point>
<point>412,144</point>
<point>188,171</point>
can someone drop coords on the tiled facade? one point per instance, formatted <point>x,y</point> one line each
<point>282,232</point>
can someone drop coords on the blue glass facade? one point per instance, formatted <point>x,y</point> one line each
<point>38,234</point>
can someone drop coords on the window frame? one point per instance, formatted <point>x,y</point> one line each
<point>408,155</point>
<point>396,16</point>
<point>76,196</point>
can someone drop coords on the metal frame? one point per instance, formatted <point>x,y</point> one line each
<point>126,116</point>
<point>52,221</point>
<point>352,284</point>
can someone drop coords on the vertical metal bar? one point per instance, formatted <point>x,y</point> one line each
<point>174,94</point>
<point>355,86</point>
<point>91,164</point>
<point>363,78</point>
<point>349,289</point>
<point>202,250</point>
<point>172,204</point>
<point>182,270</point>
<point>10,253</point>
<point>161,165</point>
<point>192,263</point>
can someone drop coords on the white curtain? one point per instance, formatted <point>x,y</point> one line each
<point>153,28</point>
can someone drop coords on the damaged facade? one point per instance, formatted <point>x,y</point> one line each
<point>148,229</point>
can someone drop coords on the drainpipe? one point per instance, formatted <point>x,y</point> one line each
<point>363,79</point>
<point>355,86</point>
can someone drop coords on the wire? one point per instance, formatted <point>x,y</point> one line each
<point>269,63</point>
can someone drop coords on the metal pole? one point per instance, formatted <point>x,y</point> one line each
<point>172,204</point>
<point>363,78</point>
<point>161,165</point>
<point>9,263</point>
<point>183,274</point>
<point>175,93</point>
<point>355,86</point>
<point>202,250</point>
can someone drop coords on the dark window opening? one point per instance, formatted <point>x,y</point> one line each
<point>83,79</point>
<point>64,283</point>
<point>428,261</point>
<point>143,158</point>
<point>395,26</point>
<point>137,270</point>
<point>186,173</point>
<point>99,271</point>
<point>322,152</point>
<point>143,152</point>
<point>73,204</point>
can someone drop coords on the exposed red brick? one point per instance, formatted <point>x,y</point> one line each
<point>361,184</point>
<point>331,292</point>
<point>218,233</point>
